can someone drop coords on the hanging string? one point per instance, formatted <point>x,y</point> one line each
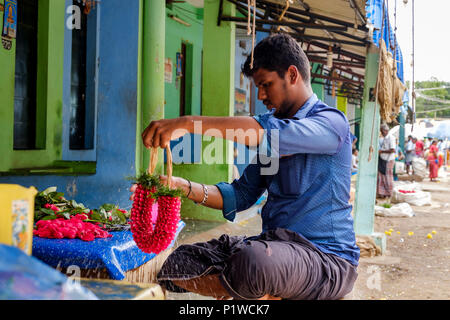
<point>283,13</point>
<point>394,62</point>
<point>413,92</point>
<point>251,29</point>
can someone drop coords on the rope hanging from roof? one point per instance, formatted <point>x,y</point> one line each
<point>390,88</point>
<point>251,28</point>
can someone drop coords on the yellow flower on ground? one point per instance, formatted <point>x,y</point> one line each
<point>429,236</point>
<point>410,233</point>
<point>398,232</point>
<point>433,232</point>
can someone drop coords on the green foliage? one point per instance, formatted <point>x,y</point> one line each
<point>423,104</point>
<point>148,181</point>
<point>109,214</point>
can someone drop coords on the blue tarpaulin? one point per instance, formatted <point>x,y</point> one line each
<point>117,254</point>
<point>384,29</point>
<point>25,277</point>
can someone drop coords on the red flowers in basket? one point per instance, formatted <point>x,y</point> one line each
<point>75,227</point>
<point>152,238</point>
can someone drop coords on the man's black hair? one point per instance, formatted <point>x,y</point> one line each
<point>276,53</point>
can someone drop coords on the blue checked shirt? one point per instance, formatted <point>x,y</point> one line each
<point>310,190</point>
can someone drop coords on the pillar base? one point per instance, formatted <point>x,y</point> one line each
<point>378,238</point>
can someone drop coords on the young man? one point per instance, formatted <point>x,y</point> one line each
<point>386,162</point>
<point>307,249</point>
<point>410,149</point>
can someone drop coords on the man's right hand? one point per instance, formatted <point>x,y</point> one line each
<point>159,133</point>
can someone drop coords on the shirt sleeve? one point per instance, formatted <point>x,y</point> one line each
<point>242,193</point>
<point>323,133</point>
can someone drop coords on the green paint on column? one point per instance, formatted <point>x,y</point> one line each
<point>401,134</point>
<point>316,87</point>
<point>217,100</point>
<point>152,71</point>
<point>48,93</point>
<point>7,65</point>
<point>342,104</point>
<point>367,170</point>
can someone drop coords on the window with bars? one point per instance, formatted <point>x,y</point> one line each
<point>78,86</point>
<point>25,76</point>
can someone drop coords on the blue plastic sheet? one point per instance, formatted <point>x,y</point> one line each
<point>118,254</point>
<point>374,14</point>
<point>24,277</point>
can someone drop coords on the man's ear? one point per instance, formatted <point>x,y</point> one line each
<point>293,75</point>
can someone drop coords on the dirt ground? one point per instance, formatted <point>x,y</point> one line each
<point>413,267</point>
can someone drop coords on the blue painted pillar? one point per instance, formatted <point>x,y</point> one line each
<point>366,183</point>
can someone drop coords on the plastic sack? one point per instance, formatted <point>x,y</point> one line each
<point>398,210</point>
<point>411,193</point>
<point>420,167</point>
<point>414,198</point>
<point>399,167</point>
<point>24,277</point>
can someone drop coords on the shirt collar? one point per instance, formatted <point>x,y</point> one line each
<point>303,111</point>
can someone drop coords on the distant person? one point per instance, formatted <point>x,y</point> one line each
<point>354,140</point>
<point>433,160</point>
<point>419,147</point>
<point>426,143</point>
<point>386,162</point>
<point>439,144</point>
<point>399,156</point>
<point>354,161</point>
<point>410,153</point>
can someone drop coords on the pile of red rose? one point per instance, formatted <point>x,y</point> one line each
<point>72,228</point>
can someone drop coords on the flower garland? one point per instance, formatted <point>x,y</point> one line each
<point>148,237</point>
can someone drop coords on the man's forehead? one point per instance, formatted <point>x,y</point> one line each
<point>261,75</point>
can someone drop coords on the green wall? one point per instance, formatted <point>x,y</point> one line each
<point>217,99</point>
<point>317,88</point>
<point>192,36</point>
<point>49,93</point>
<point>342,104</point>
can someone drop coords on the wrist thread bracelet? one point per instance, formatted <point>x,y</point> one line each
<point>190,188</point>
<point>205,194</point>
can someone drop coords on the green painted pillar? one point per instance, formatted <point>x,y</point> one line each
<point>342,104</point>
<point>401,133</point>
<point>217,100</point>
<point>366,183</point>
<point>316,87</point>
<point>151,74</point>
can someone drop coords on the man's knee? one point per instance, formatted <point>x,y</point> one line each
<point>250,271</point>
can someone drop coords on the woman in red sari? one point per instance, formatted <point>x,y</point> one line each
<point>433,160</point>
